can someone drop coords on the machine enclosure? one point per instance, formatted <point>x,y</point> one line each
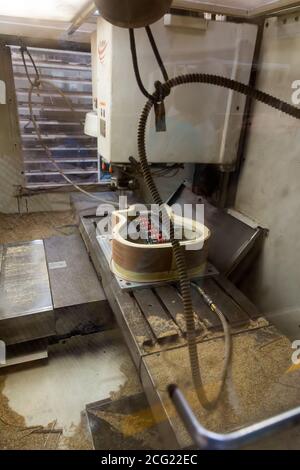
<point>203,121</point>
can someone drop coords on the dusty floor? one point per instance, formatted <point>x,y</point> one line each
<point>43,405</point>
<point>26,227</point>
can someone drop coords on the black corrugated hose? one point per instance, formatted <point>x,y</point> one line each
<point>162,91</point>
<point>185,286</point>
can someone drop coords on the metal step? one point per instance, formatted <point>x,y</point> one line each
<point>26,353</point>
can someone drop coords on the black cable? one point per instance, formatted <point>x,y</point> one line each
<point>37,75</point>
<point>136,66</point>
<point>159,95</point>
<point>185,285</point>
<point>157,54</point>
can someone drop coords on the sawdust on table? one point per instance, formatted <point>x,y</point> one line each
<point>165,327</point>
<point>132,383</point>
<point>36,225</point>
<point>181,321</point>
<point>253,391</point>
<point>142,340</point>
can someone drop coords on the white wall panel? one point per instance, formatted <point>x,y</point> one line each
<point>269,188</point>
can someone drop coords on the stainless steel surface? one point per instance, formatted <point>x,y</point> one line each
<point>232,311</point>
<point>160,322</point>
<point>105,436</point>
<point>166,428</point>
<point>80,304</point>
<point>50,289</point>
<point>83,15</point>
<point>232,240</point>
<point>171,299</point>
<point>137,333</point>
<point>24,281</point>
<point>73,279</point>
<point>209,440</point>
<point>26,353</point>
<point>26,310</point>
<point>237,295</point>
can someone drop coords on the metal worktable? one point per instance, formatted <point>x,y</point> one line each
<point>49,290</point>
<point>152,323</point>
<point>25,293</point>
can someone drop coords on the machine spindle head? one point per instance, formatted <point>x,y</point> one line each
<point>133,13</point>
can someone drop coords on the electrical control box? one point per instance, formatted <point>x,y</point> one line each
<point>203,122</point>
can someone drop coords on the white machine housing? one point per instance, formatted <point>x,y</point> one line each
<point>203,121</point>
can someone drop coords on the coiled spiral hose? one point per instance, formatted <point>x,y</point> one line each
<point>185,285</point>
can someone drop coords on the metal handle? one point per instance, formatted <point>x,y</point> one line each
<point>206,439</point>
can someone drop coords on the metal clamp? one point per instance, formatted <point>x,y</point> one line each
<point>208,440</point>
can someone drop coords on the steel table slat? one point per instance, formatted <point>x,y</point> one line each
<point>232,311</point>
<point>173,302</point>
<point>160,323</point>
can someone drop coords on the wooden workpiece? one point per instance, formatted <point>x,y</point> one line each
<point>151,321</point>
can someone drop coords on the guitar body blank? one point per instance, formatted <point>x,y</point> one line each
<point>147,261</point>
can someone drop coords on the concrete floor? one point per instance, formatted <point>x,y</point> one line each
<point>79,371</point>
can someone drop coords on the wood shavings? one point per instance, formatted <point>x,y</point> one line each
<point>15,435</point>
<point>80,438</point>
<point>165,327</point>
<point>254,389</point>
<point>34,226</point>
<point>132,384</point>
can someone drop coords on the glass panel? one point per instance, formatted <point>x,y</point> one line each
<point>43,10</point>
<point>62,130</point>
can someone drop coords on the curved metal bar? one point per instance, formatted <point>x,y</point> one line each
<point>209,440</point>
